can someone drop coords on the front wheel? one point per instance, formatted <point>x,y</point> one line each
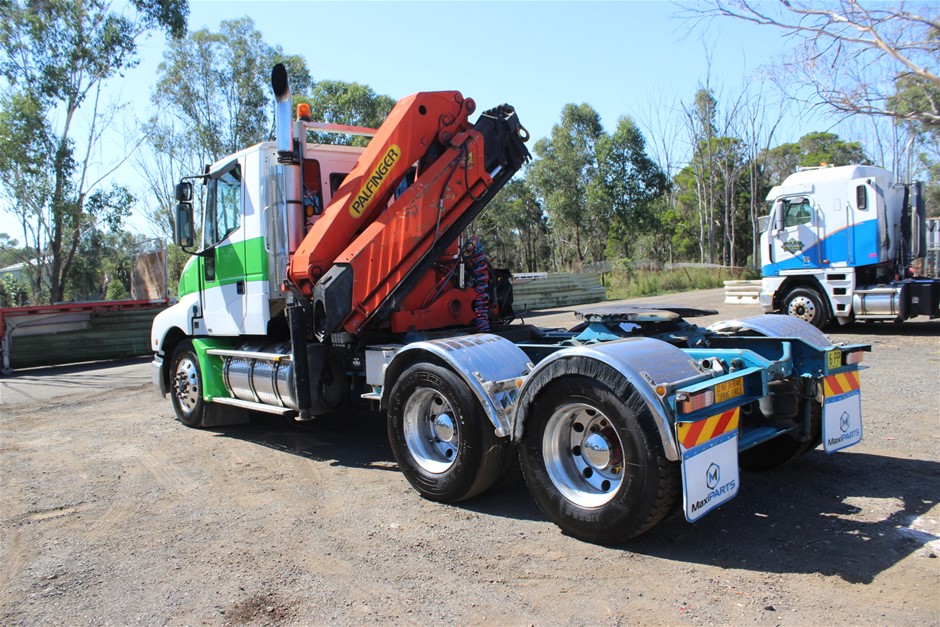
<point>444,444</point>
<point>186,385</point>
<point>594,462</point>
<point>807,305</point>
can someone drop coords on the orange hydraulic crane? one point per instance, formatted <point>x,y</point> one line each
<point>384,251</point>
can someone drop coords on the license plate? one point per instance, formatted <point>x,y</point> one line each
<point>729,389</point>
<point>835,359</point>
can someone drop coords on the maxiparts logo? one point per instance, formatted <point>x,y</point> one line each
<point>845,423</point>
<point>717,489</point>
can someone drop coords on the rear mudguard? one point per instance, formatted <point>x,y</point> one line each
<point>491,366</point>
<point>642,363</point>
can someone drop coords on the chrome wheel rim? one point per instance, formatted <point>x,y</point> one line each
<point>803,308</point>
<point>431,432</point>
<point>186,384</point>
<point>583,453</point>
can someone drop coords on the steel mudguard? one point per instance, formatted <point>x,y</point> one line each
<point>490,365</point>
<point>642,362</point>
<point>810,346</point>
<point>776,326</point>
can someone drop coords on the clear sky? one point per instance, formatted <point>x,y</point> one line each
<point>619,57</point>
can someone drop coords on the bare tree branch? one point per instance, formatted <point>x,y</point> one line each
<point>853,54</point>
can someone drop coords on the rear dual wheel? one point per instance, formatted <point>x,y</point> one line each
<point>594,462</point>
<point>444,443</point>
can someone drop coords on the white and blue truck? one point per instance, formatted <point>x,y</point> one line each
<point>845,243</point>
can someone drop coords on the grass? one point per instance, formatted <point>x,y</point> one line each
<point>628,282</point>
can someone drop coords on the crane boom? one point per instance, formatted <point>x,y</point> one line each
<point>369,249</point>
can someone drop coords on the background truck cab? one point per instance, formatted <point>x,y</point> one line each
<point>840,244</point>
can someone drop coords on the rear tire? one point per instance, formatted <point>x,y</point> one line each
<point>186,385</point>
<point>807,305</point>
<point>444,444</point>
<point>594,462</point>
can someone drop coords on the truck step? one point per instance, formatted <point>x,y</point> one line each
<point>252,406</point>
<point>275,357</point>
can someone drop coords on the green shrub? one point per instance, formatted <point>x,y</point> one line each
<point>627,282</point>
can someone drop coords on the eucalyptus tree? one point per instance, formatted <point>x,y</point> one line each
<point>560,177</point>
<point>58,55</point>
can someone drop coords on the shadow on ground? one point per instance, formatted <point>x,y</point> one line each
<point>846,515</point>
<point>83,367</point>
<point>356,440</point>
<point>915,327</point>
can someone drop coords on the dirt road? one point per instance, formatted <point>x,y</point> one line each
<point>111,512</point>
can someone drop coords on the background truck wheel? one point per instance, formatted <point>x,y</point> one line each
<point>444,444</point>
<point>779,451</point>
<point>594,463</point>
<point>186,385</point>
<point>807,305</point>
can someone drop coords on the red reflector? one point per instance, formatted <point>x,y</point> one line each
<point>696,401</point>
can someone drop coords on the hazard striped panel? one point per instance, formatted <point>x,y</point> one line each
<point>691,434</point>
<point>836,384</point>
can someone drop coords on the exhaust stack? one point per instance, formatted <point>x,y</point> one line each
<point>288,159</point>
<point>282,109</point>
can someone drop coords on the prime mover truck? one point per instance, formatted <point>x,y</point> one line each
<point>846,243</point>
<point>330,276</point>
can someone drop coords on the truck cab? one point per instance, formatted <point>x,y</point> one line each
<point>838,245</point>
<point>233,285</point>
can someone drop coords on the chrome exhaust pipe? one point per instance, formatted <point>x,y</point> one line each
<point>282,109</point>
<point>289,160</point>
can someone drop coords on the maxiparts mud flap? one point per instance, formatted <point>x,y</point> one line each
<point>842,411</point>
<point>709,450</point>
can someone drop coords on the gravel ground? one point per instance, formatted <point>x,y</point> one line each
<point>111,512</point>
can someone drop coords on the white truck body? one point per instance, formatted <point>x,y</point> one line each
<point>839,244</point>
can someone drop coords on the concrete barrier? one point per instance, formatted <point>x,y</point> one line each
<point>742,292</point>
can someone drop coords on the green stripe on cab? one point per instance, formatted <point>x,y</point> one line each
<point>239,261</point>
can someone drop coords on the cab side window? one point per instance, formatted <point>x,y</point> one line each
<point>797,212</point>
<point>223,204</point>
<point>336,180</point>
<point>861,197</point>
<point>313,204</point>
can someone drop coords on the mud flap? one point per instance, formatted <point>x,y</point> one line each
<point>216,415</point>
<point>842,411</point>
<point>709,451</point>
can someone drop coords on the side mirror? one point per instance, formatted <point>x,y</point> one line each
<point>762,223</point>
<point>184,191</point>
<point>184,231</point>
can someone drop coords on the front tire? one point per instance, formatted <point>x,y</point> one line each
<point>444,444</point>
<point>186,385</point>
<point>807,305</point>
<point>594,462</point>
